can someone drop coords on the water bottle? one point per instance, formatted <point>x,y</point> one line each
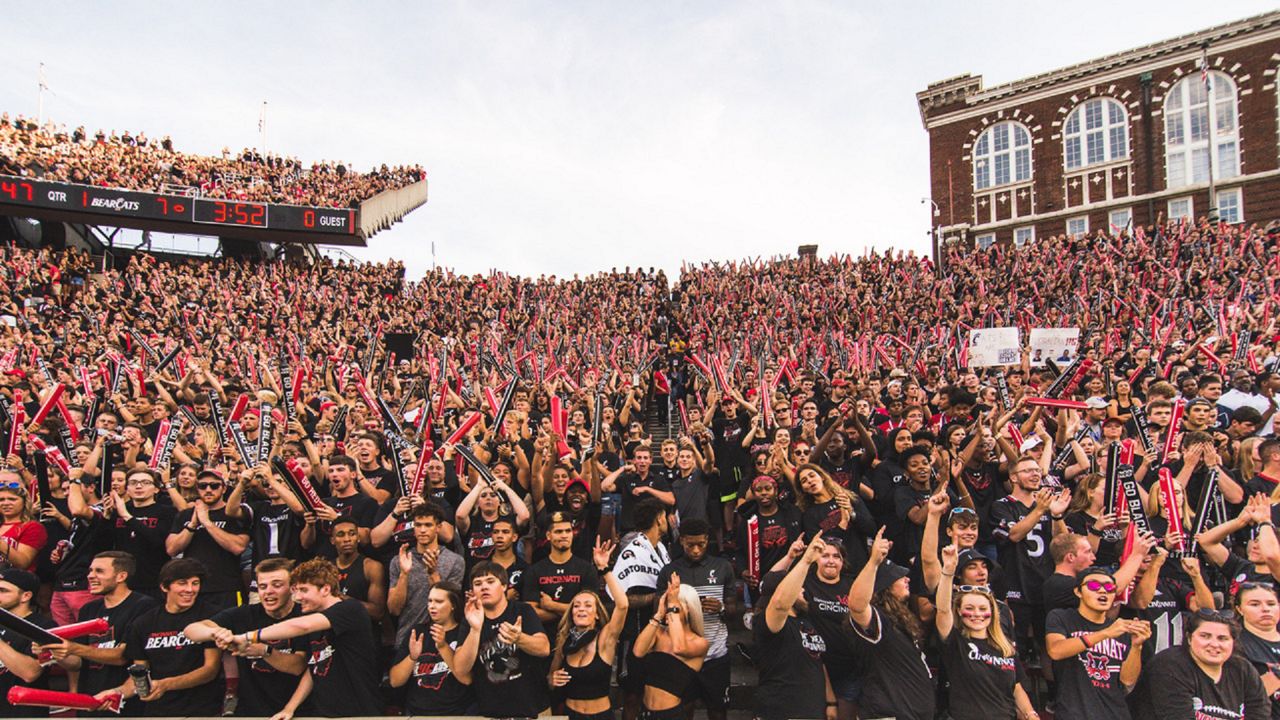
<point>141,679</point>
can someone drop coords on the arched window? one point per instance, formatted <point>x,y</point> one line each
<point>1192,115</point>
<point>1002,156</point>
<point>1097,131</point>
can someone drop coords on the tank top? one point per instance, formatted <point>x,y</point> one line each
<point>352,580</point>
<point>665,671</point>
<point>589,682</point>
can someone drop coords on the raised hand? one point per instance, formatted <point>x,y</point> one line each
<point>880,548</point>
<point>601,553</point>
<point>950,557</point>
<point>415,643</point>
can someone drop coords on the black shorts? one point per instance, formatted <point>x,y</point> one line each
<point>711,685</point>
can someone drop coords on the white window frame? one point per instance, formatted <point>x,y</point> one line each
<point>986,156</point>
<point>1030,231</point>
<point>1082,233</point>
<point>1125,214</point>
<point>1101,137</point>
<point>1238,194</point>
<point>1191,208</point>
<point>1216,110</point>
<point>984,241</point>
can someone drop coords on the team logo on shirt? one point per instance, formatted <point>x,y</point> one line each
<point>321,657</point>
<point>167,640</point>
<point>1213,712</point>
<point>431,671</point>
<point>996,661</point>
<point>812,642</point>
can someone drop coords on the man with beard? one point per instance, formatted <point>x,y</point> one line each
<point>99,660</point>
<point>768,526</point>
<point>503,648</point>
<point>579,510</point>
<point>552,582</point>
<point>18,665</point>
<point>185,677</point>
<point>205,532</point>
<point>342,661</point>
<point>268,670</point>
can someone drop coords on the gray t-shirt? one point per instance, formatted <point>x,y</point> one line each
<point>451,568</point>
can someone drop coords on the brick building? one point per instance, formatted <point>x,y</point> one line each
<point>1113,141</point>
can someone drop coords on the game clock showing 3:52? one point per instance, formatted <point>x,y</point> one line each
<point>178,208</point>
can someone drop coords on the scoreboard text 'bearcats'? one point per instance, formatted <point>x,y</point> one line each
<point>179,208</point>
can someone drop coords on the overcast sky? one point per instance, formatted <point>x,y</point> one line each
<point>571,137</point>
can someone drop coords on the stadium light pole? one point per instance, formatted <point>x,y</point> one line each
<point>41,86</point>
<point>262,128</point>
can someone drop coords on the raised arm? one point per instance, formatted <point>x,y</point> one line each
<point>943,617</point>
<point>864,585</point>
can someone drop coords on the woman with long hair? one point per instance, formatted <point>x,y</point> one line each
<point>586,643</point>
<point>1258,607</point>
<point>426,658</point>
<point>1087,517</point>
<point>21,536</point>
<point>981,663</point>
<point>888,474</point>
<point>889,633</point>
<point>673,649</point>
<point>830,509</point>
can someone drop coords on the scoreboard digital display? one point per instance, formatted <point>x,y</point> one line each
<point>178,208</point>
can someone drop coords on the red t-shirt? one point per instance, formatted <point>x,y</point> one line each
<point>29,533</point>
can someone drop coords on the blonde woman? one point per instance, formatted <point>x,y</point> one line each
<point>21,537</point>
<point>674,648</point>
<point>586,643</point>
<point>980,661</point>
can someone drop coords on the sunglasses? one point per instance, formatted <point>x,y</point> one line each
<point>963,511</point>
<point>974,588</point>
<point>1100,586</point>
<point>12,485</point>
<point>208,485</point>
<point>1222,616</point>
<point>1254,585</point>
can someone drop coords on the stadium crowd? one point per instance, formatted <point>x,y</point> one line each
<point>133,161</point>
<point>325,489</point>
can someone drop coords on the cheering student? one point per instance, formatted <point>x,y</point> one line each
<point>788,646</point>
<point>637,569</point>
<point>1258,607</point>
<point>503,648</point>
<point>268,670</point>
<point>586,644</point>
<point>345,500</point>
<point>206,533</point>
<point>889,632</point>
<point>425,660</point>
<point>826,590</point>
<point>416,569</point>
<point>553,580</point>
<point>275,523</point>
<point>141,526</point>
<point>767,525</point>
<point>1097,659</point>
<point>21,536</point>
<point>712,578</point>
<point>359,576</point>
<point>99,660</point>
<point>981,663</point>
<point>480,509</point>
<point>185,676</point>
<point>342,660</point>
<point>673,649</point>
<point>1262,553</point>
<point>1203,678</point>
<point>503,535</point>
<point>18,664</point>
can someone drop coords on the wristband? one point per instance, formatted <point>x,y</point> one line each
<point>1095,532</point>
<point>1267,523</point>
<point>192,529</point>
<point>1056,517</point>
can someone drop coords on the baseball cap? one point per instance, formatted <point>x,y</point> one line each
<point>1096,403</point>
<point>969,556</point>
<point>210,472</point>
<point>1113,421</point>
<point>21,579</point>
<point>888,574</point>
<point>577,482</point>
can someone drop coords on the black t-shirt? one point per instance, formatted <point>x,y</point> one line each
<point>899,683</point>
<point>143,536</point>
<point>1264,656</point>
<point>87,538</point>
<point>730,454</point>
<point>507,681</point>
<point>1173,686</point>
<point>478,540</point>
<point>981,679</point>
<point>985,487</point>
<point>773,534</point>
<point>829,613</point>
<point>1238,570</point>
<point>585,525</point>
<point>792,684</point>
<point>344,663</point>
<point>263,689</point>
<point>433,688</point>
<point>1059,592</point>
<point>1109,545</point>
<point>560,582</point>
<point>156,637</point>
<point>1027,563</point>
<point>360,507</point>
<point>8,679</point>
<point>627,482</point>
<point>515,576</point>
<point>275,531</point>
<point>96,677</point>
<point>1165,613</point>
<point>1089,686</point>
<point>222,567</point>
